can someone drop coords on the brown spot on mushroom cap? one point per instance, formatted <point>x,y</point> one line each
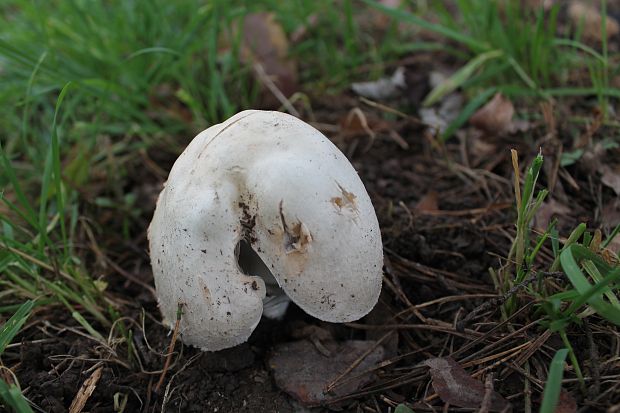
<point>206,293</point>
<point>348,200</point>
<point>297,238</point>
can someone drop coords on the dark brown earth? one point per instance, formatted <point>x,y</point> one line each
<point>432,251</point>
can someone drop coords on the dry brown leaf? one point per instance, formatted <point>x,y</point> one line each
<point>610,214</point>
<point>610,177</point>
<point>429,202</point>
<point>481,150</point>
<point>612,251</point>
<point>87,389</point>
<point>266,44</point>
<point>593,157</point>
<point>495,117</point>
<point>566,403</point>
<point>303,371</point>
<point>547,211</point>
<point>588,15</point>
<point>455,386</point>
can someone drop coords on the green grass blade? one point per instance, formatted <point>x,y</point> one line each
<point>13,397</point>
<point>401,408</point>
<point>530,183</point>
<point>467,111</point>
<point>80,319</point>
<point>597,277</point>
<point>14,324</point>
<point>26,113</point>
<point>9,172</point>
<point>572,238</point>
<point>551,394</point>
<point>148,50</point>
<point>18,211</point>
<point>460,77</point>
<point>457,36</point>
<point>593,296</point>
<point>570,259</point>
<point>579,46</point>
<point>56,163</point>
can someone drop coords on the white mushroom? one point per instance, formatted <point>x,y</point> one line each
<point>276,182</point>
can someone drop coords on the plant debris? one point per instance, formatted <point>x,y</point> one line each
<point>495,117</point>
<point>306,372</point>
<point>455,386</point>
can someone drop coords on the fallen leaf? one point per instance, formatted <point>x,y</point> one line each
<point>384,88</point>
<point>588,17</point>
<point>519,126</point>
<point>570,157</point>
<point>304,372</point>
<point>610,214</point>
<point>87,389</point>
<point>455,386</point>
<point>547,211</point>
<point>482,150</point>
<point>610,177</point>
<point>610,218</point>
<point>431,117</point>
<point>428,202</point>
<point>265,43</point>
<point>592,158</point>
<point>610,254</point>
<point>566,403</point>
<point>590,130</point>
<point>495,117</point>
<point>439,118</point>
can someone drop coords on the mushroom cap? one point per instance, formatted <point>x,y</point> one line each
<point>279,184</point>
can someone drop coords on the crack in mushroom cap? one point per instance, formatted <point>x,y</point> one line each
<point>278,183</point>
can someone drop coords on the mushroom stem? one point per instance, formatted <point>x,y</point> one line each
<point>276,301</point>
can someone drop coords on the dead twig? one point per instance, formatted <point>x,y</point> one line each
<point>270,84</point>
<point>594,389</point>
<point>495,303</point>
<point>488,393</point>
<point>87,389</point>
<point>170,348</point>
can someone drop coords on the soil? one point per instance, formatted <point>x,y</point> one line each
<point>446,216</point>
